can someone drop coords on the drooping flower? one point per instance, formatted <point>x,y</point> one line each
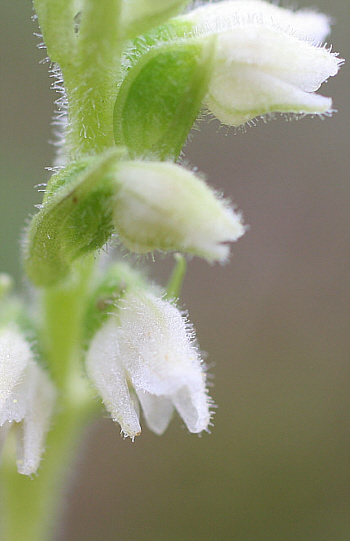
<point>26,399</point>
<point>266,59</point>
<point>147,352</point>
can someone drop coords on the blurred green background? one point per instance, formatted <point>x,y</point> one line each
<point>275,323</point>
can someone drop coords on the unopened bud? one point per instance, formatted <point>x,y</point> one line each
<point>150,205</point>
<point>162,206</point>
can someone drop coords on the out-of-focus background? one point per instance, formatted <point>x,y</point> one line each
<point>275,323</point>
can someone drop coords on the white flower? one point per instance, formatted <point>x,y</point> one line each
<point>266,60</point>
<point>162,206</point>
<point>148,349</point>
<point>26,399</point>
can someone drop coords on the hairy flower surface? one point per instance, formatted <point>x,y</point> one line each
<point>266,59</point>
<point>26,399</point>
<point>219,16</point>
<point>162,206</point>
<point>148,349</point>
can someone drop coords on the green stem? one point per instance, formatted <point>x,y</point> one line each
<point>174,286</point>
<point>90,62</point>
<point>31,506</point>
<point>91,83</point>
<point>61,335</point>
<point>56,19</point>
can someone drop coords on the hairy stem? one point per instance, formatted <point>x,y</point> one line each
<point>31,506</point>
<point>91,83</point>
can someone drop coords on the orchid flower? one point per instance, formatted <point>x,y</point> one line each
<point>147,352</point>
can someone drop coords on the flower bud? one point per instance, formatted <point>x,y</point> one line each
<point>161,206</point>
<point>150,344</point>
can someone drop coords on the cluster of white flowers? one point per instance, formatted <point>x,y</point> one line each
<point>265,59</point>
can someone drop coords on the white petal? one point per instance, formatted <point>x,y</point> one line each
<point>16,405</point>
<point>221,16</point>
<point>36,421</point>
<point>271,95</point>
<point>275,53</point>
<point>192,405</point>
<point>311,25</point>
<point>156,346</point>
<point>106,370</point>
<point>157,410</point>
<point>15,354</point>
<point>261,70</point>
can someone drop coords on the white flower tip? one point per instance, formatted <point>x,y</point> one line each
<point>127,433</point>
<point>28,467</point>
<point>193,405</point>
<point>129,425</point>
<point>228,228</point>
<point>15,354</point>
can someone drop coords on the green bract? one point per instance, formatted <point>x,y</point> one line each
<point>161,97</point>
<point>74,220</point>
